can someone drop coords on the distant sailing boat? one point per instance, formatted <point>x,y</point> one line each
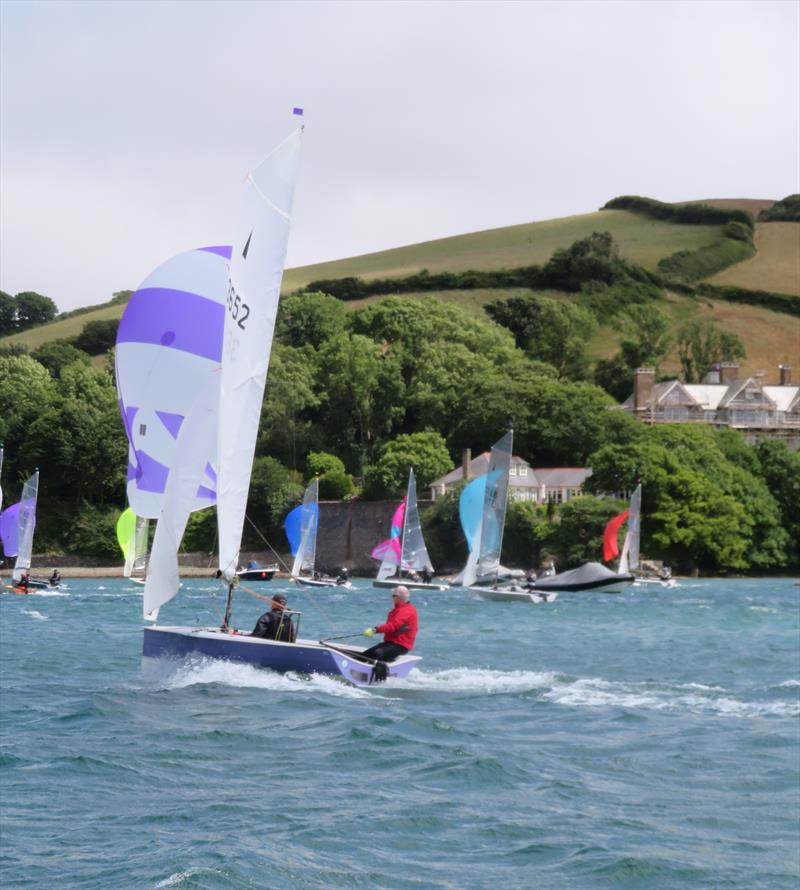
<point>629,559</point>
<point>405,551</point>
<point>133,535</point>
<point>482,508</point>
<point>227,416</point>
<point>301,526</point>
<point>17,524</point>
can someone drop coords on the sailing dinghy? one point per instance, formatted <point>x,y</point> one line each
<point>17,524</point>
<point>224,420</point>
<point>301,526</point>
<point>482,508</point>
<point>405,551</point>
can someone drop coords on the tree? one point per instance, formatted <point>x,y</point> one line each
<point>33,309</point>
<point>615,376</point>
<point>441,527</point>
<point>274,490</point>
<point>361,393</point>
<point>8,314</point>
<point>425,453</point>
<point>285,429</point>
<point>97,336</point>
<point>335,485</point>
<point>320,462</point>
<point>26,390</point>
<point>57,354</point>
<point>528,534</point>
<point>595,258</point>
<point>702,344</point>
<point>578,537</point>
<point>555,332</point>
<point>309,319</point>
<point>647,339</point>
<point>780,470</point>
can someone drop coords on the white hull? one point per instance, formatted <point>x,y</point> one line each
<point>655,582</point>
<point>505,595</point>
<point>411,585</point>
<point>322,582</point>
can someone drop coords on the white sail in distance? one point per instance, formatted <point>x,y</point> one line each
<point>494,508</point>
<point>629,559</point>
<point>414,556</point>
<point>259,253</point>
<point>306,555</point>
<point>26,522</point>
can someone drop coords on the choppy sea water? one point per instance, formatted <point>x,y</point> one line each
<point>644,740</point>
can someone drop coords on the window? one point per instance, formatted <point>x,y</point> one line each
<point>512,471</point>
<point>523,471</point>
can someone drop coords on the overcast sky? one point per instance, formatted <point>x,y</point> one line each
<point>127,127</point>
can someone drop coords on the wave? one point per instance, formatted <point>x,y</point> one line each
<point>594,692</point>
<point>205,671</point>
<point>34,614</point>
<point>177,879</point>
<point>692,697</point>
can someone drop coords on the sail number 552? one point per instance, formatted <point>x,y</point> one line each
<point>239,311</point>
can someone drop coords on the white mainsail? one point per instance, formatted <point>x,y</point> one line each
<point>629,559</point>
<point>306,555</point>
<point>414,556</point>
<point>259,252</point>
<point>141,541</point>
<point>26,519</point>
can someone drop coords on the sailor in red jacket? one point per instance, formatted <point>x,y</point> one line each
<point>399,631</point>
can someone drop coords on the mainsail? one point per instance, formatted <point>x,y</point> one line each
<point>254,285</point>
<point>223,419</point>
<point>414,553</point>
<point>301,529</point>
<point>486,538</point>
<point>26,523</point>
<point>630,548</point>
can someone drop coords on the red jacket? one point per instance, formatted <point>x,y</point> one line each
<point>401,626</point>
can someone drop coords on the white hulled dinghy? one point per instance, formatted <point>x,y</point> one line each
<point>404,556</point>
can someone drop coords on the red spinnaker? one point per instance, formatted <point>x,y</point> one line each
<point>610,545</point>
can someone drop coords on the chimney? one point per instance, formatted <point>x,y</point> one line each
<point>786,374</point>
<point>729,371</point>
<point>466,460</point>
<point>713,375</point>
<point>759,378</point>
<point>643,380</point>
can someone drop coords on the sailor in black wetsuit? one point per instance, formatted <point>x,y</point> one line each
<point>274,625</point>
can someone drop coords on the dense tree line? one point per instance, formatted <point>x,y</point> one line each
<point>356,398</point>
<point>25,310</point>
<point>785,210</point>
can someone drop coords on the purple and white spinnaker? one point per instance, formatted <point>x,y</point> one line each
<point>168,354</point>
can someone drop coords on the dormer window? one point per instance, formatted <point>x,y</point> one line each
<point>523,471</point>
<point>512,471</point>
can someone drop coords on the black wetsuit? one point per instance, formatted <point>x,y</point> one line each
<point>274,625</point>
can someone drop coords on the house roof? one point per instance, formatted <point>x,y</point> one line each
<point>480,465</point>
<point>562,477</point>
<point>711,396</point>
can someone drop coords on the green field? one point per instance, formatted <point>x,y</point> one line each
<point>642,240</point>
<point>770,338</point>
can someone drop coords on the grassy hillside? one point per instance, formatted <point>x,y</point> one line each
<point>769,338</point>
<point>641,240</point>
<point>65,328</point>
<point>776,265</point>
